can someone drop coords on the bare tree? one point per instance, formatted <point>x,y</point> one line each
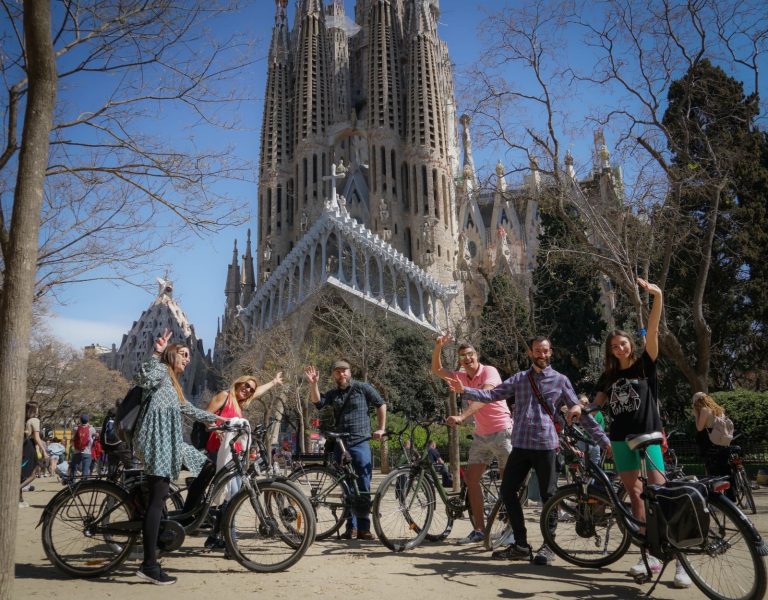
<point>637,50</point>
<point>117,188</point>
<point>88,177</point>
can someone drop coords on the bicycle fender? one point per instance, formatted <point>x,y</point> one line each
<point>757,539</point>
<point>47,510</point>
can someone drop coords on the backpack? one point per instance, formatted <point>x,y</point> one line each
<point>721,433</point>
<point>82,437</point>
<point>130,411</point>
<point>109,439</point>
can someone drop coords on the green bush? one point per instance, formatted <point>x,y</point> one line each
<point>748,411</point>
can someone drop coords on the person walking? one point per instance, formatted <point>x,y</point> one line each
<point>537,393</point>
<point>158,442</point>
<point>31,444</point>
<point>492,437</point>
<point>351,401</point>
<point>82,441</point>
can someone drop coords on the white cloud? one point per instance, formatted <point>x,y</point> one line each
<point>80,332</point>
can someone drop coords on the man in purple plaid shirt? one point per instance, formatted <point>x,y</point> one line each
<point>534,439</point>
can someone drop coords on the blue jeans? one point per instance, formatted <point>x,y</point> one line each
<point>360,516</point>
<point>83,460</point>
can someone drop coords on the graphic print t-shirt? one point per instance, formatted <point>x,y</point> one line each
<point>632,399</point>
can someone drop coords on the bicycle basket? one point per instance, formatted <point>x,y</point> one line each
<point>683,516</point>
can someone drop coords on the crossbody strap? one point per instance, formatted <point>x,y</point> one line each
<point>543,403</point>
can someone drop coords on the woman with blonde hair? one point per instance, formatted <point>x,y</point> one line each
<point>705,409</point>
<point>158,441</point>
<point>227,404</point>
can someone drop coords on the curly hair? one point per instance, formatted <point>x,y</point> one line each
<point>702,400</point>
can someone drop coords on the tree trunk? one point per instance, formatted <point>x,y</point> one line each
<point>20,267</point>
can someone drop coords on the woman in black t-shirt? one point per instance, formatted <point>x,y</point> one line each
<point>629,390</point>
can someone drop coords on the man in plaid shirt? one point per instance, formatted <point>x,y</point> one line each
<point>534,439</point>
<point>350,401</point>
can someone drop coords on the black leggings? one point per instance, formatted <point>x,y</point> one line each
<point>199,485</point>
<point>159,490</point>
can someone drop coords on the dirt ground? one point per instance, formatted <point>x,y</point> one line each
<point>341,569</point>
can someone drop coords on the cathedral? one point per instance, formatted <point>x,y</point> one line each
<point>367,181</point>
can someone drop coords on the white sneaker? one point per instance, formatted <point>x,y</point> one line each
<point>681,577</point>
<point>639,568</point>
<point>474,537</point>
<point>507,538</point>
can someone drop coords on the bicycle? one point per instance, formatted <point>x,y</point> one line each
<point>405,509</point>
<point>90,529</point>
<point>330,485</point>
<point>724,558</point>
<point>742,489</point>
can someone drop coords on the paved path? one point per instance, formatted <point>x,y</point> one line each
<point>340,570</point>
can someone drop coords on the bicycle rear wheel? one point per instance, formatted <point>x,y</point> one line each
<point>729,566</point>
<point>326,495</point>
<point>589,533</point>
<point>402,510</point>
<point>743,490</point>
<point>76,534</point>
<point>275,542</point>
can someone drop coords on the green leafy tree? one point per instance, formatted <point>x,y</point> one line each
<point>567,301</point>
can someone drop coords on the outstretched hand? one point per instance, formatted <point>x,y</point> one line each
<point>455,384</point>
<point>311,374</point>
<point>651,288</point>
<point>278,379</point>
<point>443,339</point>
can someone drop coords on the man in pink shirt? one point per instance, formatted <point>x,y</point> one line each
<point>493,425</point>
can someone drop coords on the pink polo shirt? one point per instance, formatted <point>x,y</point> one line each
<point>494,416</point>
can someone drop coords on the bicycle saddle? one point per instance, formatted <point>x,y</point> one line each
<point>643,440</point>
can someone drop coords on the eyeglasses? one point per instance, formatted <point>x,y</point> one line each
<point>467,355</point>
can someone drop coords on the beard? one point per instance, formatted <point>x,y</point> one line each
<point>541,363</point>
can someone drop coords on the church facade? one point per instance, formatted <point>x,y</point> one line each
<point>366,177</point>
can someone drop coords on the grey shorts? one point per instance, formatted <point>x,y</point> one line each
<point>485,448</point>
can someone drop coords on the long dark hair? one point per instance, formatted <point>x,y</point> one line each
<point>611,362</point>
<point>168,358</point>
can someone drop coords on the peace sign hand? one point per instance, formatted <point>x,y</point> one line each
<point>162,341</point>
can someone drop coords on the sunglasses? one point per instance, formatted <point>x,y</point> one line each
<point>467,355</point>
<point>247,386</point>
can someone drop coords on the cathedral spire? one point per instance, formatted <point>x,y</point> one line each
<point>232,289</point>
<point>466,139</point>
<point>248,282</point>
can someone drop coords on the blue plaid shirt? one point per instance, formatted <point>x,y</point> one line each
<point>350,408</point>
<point>534,429</point>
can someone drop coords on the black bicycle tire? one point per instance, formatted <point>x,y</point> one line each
<point>420,527</point>
<point>297,540</point>
<point>493,533</point>
<point>747,500</point>
<point>324,527</point>
<point>61,503</point>
<point>555,542</point>
<point>441,525</point>
<point>722,538</point>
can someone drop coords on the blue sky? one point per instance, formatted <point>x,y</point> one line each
<point>101,312</point>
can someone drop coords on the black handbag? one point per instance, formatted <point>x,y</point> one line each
<point>199,435</point>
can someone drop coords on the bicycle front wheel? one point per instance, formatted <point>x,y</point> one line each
<point>588,529</point>
<point>743,490</point>
<point>326,494</point>
<point>402,510</point>
<point>498,530</point>
<point>728,566</point>
<point>79,534</point>
<point>442,523</point>
<point>276,541</point>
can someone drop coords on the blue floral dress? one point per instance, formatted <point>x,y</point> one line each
<point>158,439</point>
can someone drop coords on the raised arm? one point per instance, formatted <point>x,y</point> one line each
<point>437,362</point>
<point>265,387</point>
<point>652,334</point>
<point>312,377</point>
